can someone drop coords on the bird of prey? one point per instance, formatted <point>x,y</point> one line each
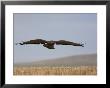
<point>50,44</point>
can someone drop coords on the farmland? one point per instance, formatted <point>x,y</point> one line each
<point>71,65</point>
<point>79,70</point>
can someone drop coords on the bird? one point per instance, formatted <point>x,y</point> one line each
<point>50,44</point>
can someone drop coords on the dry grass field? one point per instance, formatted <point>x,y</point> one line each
<point>78,70</point>
<point>70,65</point>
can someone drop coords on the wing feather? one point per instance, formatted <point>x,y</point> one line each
<point>63,42</point>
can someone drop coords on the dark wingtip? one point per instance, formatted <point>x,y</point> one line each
<point>21,43</point>
<point>82,45</point>
<point>18,43</point>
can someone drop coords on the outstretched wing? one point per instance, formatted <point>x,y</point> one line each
<point>36,41</point>
<point>50,44</point>
<point>63,42</point>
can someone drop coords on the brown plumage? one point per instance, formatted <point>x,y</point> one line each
<point>50,44</point>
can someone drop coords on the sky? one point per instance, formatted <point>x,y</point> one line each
<point>76,27</point>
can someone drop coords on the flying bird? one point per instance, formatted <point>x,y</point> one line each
<point>50,44</point>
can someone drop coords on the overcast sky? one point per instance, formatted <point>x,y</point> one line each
<point>80,28</point>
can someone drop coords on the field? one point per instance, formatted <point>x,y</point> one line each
<point>71,65</point>
<point>45,70</point>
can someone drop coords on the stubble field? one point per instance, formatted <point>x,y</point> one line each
<point>78,70</point>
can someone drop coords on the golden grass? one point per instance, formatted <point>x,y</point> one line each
<point>79,70</point>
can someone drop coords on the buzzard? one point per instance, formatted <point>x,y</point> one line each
<point>50,44</point>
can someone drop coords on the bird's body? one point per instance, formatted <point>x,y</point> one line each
<point>50,44</point>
